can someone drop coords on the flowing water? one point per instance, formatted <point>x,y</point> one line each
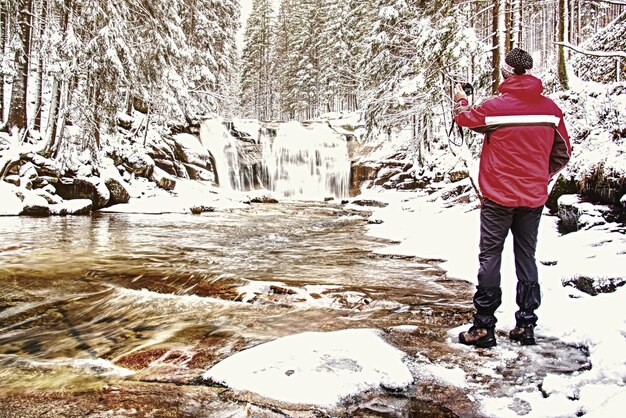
<point>89,304</point>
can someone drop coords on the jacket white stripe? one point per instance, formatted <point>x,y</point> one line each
<point>521,120</point>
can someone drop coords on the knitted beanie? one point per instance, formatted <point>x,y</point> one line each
<point>517,62</point>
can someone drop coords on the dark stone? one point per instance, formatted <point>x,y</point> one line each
<point>198,173</point>
<point>263,199</point>
<point>69,188</point>
<point>36,210</point>
<point>562,186</point>
<point>140,105</point>
<point>408,184</point>
<point>125,121</point>
<point>166,165</point>
<point>458,175</point>
<point>197,210</point>
<point>604,186</point>
<point>163,179</point>
<point>13,179</point>
<point>370,203</point>
<point>119,192</point>
<point>594,287</point>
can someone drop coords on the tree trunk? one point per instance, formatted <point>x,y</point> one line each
<point>55,99</point>
<point>562,66</point>
<point>40,72</point>
<point>18,109</point>
<point>3,37</point>
<point>52,116</point>
<point>497,44</point>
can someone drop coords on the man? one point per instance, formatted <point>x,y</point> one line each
<point>525,145</point>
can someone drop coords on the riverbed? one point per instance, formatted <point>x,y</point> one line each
<point>120,314</point>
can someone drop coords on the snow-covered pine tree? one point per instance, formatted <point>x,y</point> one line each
<point>412,62</point>
<point>257,80</point>
<point>342,50</point>
<point>283,75</point>
<point>208,69</point>
<point>305,57</point>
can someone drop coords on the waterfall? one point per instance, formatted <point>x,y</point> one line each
<point>306,163</point>
<point>223,147</point>
<point>298,162</point>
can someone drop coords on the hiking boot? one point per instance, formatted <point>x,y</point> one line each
<point>480,337</point>
<point>524,334</point>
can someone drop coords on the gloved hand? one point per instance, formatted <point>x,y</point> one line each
<point>459,94</point>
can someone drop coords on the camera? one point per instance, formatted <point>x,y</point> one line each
<point>467,88</point>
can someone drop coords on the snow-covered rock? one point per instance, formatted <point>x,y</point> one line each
<point>163,179</point>
<point>72,207</point>
<point>576,214</point>
<point>191,151</point>
<point>262,196</point>
<point>11,205</point>
<point>315,367</point>
<point>84,188</point>
<point>35,205</point>
<point>51,198</point>
<point>114,182</point>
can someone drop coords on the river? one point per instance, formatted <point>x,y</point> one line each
<point>120,314</point>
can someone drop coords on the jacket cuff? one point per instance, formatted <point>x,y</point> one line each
<point>461,106</point>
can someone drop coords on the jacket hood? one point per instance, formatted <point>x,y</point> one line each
<point>522,85</point>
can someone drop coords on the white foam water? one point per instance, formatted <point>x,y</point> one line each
<point>215,137</point>
<point>306,162</point>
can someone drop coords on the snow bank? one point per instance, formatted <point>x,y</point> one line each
<point>425,228</point>
<point>315,368</point>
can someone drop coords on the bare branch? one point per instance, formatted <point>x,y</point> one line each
<point>616,2</point>
<point>616,54</point>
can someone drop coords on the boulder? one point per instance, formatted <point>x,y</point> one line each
<point>163,179</point>
<point>35,205</point>
<point>13,179</point>
<point>111,178</point>
<point>51,198</point>
<point>408,184</point>
<point>118,190</point>
<point>199,173</point>
<point>369,203</point>
<point>595,286</point>
<point>72,207</point>
<point>44,166</point>
<point>140,164</point>
<point>84,188</point>
<point>576,214</point>
<point>198,209</point>
<point>166,165</point>
<point>189,150</point>
<point>28,171</point>
<point>262,196</point>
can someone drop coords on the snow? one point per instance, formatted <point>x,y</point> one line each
<point>596,322</point>
<point>315,368</point>
<point>186,195</point>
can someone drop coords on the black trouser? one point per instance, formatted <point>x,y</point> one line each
<point>495,222</point>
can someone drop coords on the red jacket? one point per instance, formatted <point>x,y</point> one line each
<point>526,142</point>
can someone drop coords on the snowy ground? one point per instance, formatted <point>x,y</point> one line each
<point>424,228</point>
